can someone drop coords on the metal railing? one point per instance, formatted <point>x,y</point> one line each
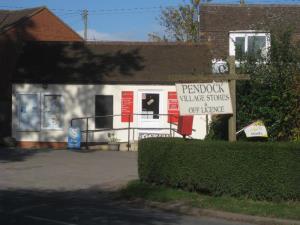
<point>87,130</point>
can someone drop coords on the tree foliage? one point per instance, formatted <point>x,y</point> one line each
<point>179,23</point>
<point>271,94</point>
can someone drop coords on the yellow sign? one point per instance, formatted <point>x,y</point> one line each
<point>256,129</point>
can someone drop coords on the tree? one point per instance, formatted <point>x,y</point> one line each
<point>154,37</point>
<point>180,23</point>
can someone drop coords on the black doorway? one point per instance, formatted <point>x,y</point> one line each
<point>103,107</point>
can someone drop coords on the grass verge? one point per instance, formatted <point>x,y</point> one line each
<point>283,210</point>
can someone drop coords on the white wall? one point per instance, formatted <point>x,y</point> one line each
<point>79,101</point>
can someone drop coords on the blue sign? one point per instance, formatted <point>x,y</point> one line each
<point>74,138</point>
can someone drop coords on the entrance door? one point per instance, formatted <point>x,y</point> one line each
<point>104,107</point>
<point>150,105</point>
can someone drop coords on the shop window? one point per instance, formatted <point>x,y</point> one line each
<point>104,107</point>
<point>150,106</point>
<point>28,106</point>
<point>52,115</point>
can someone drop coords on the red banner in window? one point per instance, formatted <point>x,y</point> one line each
<point>173,110</point>
<point>127,106</point>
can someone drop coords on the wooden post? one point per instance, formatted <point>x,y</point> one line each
<point>207,124</point>
<point>232,87</point>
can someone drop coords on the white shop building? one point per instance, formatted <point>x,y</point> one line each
<point>57,82</point>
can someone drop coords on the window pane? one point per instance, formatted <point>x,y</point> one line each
<point>52,113</point>
<point>150,105</point>
<point>29,112</point>
<point>104,107</point>
<point>239,46</point>
<point>256,44</point>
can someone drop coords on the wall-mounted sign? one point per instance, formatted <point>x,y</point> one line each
<point>173,110</point>
<point>127,106</point>
<point>219,66</point>
<point>153,135</point>
<point>74,138</point>
<point>204,98</point>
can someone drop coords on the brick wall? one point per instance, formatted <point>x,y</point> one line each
<point>218,20</point>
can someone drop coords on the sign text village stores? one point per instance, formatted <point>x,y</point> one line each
<point>204,98</point>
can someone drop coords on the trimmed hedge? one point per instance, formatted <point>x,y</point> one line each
<point>264,171</point>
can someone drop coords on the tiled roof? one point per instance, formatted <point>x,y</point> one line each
<point>9,18</point>
<point>108,62</point>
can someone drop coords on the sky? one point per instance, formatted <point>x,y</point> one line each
<point>115,20</point>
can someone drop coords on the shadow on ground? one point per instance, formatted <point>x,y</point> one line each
<point>21,207</point>
<point>15,154</point>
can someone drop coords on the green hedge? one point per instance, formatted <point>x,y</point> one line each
<point>269,171</point>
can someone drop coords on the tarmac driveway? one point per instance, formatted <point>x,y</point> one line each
<point>66,170</point>
<point>72,188</point>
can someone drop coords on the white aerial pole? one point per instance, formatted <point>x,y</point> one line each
<point>84,15</point>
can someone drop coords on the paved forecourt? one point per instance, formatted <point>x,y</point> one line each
<point>63,169</point>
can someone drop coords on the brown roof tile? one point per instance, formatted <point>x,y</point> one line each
<point>109,62</point>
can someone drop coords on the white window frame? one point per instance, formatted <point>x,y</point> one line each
<point>247,33</point>
<point>38,128</point>
<point>42,111</point>
<point>161,106</point>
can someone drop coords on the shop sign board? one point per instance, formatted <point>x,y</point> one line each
<point>204,98</point>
